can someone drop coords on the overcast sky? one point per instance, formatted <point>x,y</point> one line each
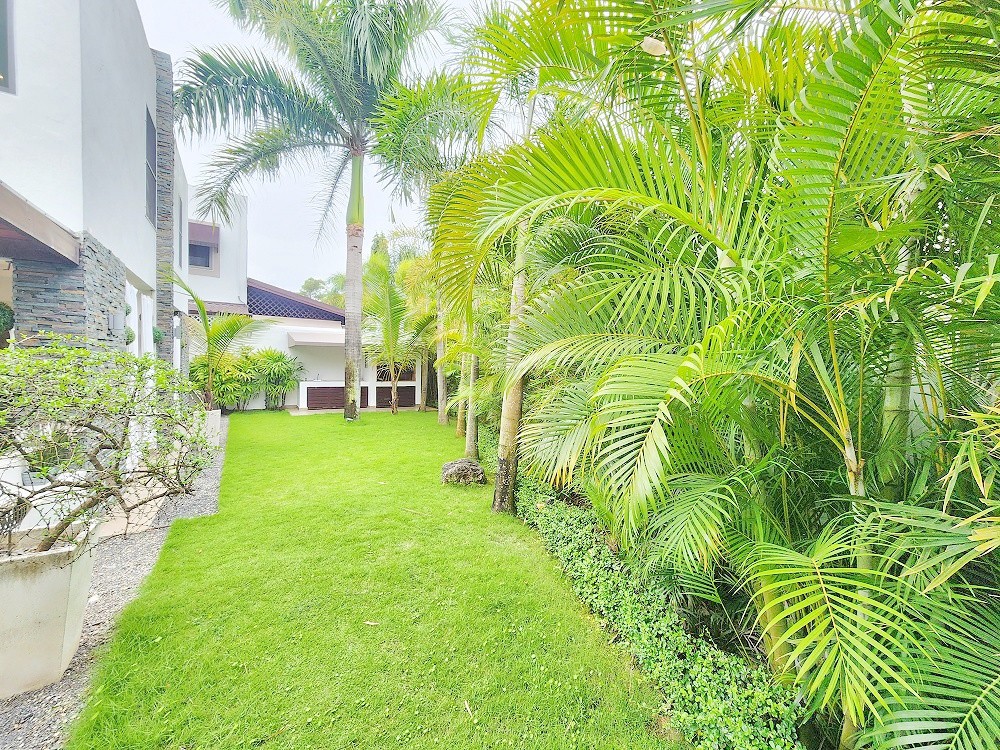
<point>283,215</point>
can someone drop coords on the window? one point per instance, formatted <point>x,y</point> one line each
<point>200,256</point>
<point>6,46</point>
<point>382,374</point>
<point>150,169</point>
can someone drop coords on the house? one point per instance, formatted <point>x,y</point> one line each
<point>311,331</point>
<point>87,174</point>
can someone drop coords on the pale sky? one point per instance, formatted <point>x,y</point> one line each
<point>283,214</point>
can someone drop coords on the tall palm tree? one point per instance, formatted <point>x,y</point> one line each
<point>318,102</point>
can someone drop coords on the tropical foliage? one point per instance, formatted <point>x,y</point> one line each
<point>241,376</point>
<point>313,104</point>
<point>396,336</point>
<point>761,326</point>
<point>215,340</point>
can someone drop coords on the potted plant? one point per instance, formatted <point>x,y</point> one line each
<point>98,432</point>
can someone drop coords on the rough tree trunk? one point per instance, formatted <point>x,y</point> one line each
<point>510,412</point>
<point>471,421</point>
<point>394,399</point>
<point>352,290</point>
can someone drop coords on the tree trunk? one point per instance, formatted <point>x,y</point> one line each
<point>352,290</point>
<point>462,384</point>
<point>510,411</point>
<point>394,399</point>
<point>856,487</point>
<point>472,422</point>
<point>442,383</point>
<point>425,383</point>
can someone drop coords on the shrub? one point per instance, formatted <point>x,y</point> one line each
<point>158,336</point>
<point>6,317</point>
<point>104,428</point>
<point>719,701</point>
<point>238,378</point>
<point>278,373</point>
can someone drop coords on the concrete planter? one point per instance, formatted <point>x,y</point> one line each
<point>213,427</point>
<point>44,597</point>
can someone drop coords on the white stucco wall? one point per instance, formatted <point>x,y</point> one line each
<point>74,130</point>
<point>231,283</point>
<point>182,214</point>
<point>119,86</point>
<point>41,122</point>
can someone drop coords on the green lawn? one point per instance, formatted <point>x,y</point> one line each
<point>343,598</point>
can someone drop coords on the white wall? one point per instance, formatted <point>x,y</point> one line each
<point>41,122</point>
<point>182,214</point>
<point>231,283</point>
<point>119,86</point>
<point>74,130</point>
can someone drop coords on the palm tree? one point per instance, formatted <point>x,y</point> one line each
<point>215,339</point>
<point>319,102</point>
<point>774,355</point>
<point>396,334</point>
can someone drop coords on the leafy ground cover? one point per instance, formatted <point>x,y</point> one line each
<point>343,598</point>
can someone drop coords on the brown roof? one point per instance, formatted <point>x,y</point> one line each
<point>267,299</point>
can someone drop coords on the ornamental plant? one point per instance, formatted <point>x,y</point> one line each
<point>99,430</point>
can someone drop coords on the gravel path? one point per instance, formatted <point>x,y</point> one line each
<point>38,720</point>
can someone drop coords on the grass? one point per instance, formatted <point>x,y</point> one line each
<point>344,598</point>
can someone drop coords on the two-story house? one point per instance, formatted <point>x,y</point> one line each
<point>87,174</point>
<point>311,331</point>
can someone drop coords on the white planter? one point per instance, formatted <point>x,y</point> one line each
<point>213,427</point>
<point>44,598</point>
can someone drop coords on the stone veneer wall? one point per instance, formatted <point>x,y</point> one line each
<point>165,155</point>
<point>71,300</point>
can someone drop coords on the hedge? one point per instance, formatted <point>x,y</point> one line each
<point>717,700</point>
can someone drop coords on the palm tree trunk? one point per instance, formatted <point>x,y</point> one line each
<point>462,384</point>
<point>510,411</point>
<point>863,562</point>
<point>442,383</point>
<point>472,422</point>
<point>394,388</point>
<point>352,289</point>
<point>425,383</point>
<point>896,417</point>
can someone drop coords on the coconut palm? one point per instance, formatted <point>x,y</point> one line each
<point>780,317</point>
<point>317,102</point>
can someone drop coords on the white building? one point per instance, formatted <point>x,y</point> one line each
<point>86,172</point>
<point>313,332</point>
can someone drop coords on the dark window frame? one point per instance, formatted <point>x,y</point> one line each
<point>211,251</point>
<point>8,86</point>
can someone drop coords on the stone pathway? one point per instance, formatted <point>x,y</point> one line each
<point>38,720</point>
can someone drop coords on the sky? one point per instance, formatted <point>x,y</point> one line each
<point>283,215</point>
